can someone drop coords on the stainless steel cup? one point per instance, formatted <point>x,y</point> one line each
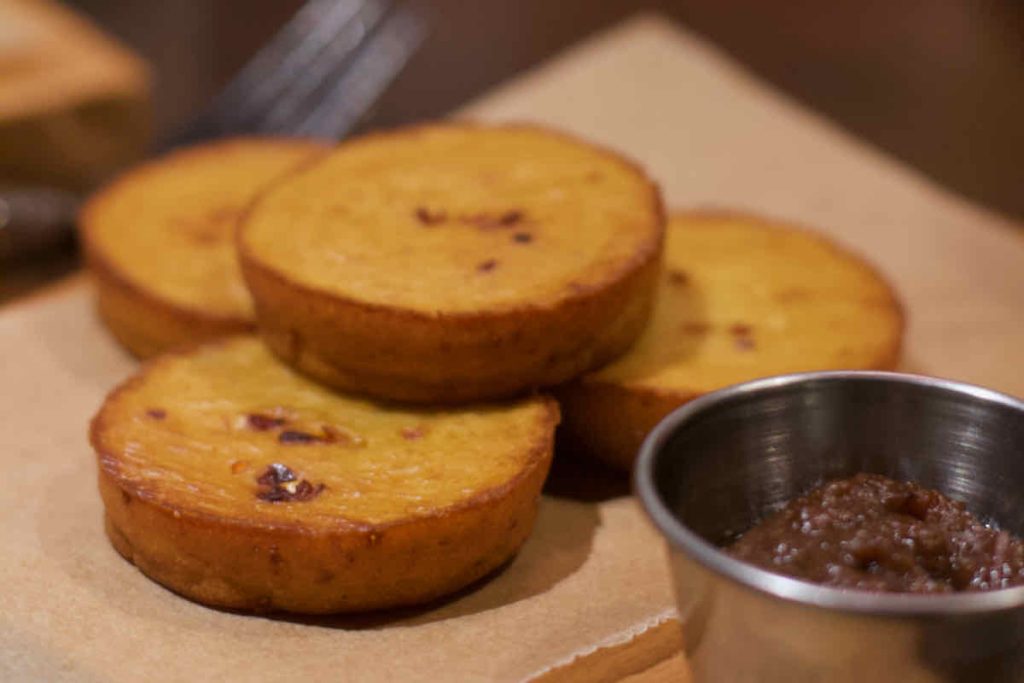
<point>716,465</point>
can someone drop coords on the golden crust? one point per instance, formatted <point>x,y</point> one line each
<point>146,324</point>
<point>424,347</point>
<point>727,314</point>
<point>194,521</point>
<point>134,233</point>
<point>608,421</point>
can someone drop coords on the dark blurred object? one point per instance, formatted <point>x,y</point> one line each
<point>74,105</point>
<point>41,238</point>
<point>939,85</point>
<point>317,77</point>
<point>34,221</point>
<point>22,279</point>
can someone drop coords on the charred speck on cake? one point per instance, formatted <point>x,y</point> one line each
<point>487,266</point>
<point>742,338</point>
<point>275,474</point>
<point>262,422</point>
<point>411,433</point>
<point>510,218</point>
<point>426,217</point>
<point>678,277</point>
<point>873,533</point>
<point>486,221</point>
<point>290,436</point>
<point>279,484</point>
<point>156,413</point>
<point>301,492</point>
<point>337,434</point>
<point>522,237</point>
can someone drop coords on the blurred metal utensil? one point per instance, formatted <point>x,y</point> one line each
<point>319,76</point>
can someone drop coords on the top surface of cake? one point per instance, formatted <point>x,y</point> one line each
<point>457,219</point>
<point>742,297</point>
<point>227,430</point>
<point>167,226</point>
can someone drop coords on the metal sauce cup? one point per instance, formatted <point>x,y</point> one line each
<point>718,464</point>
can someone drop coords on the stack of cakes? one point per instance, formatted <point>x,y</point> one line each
<point>346,407</point>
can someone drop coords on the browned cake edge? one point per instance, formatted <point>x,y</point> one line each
<point>142,320</point>
<point>609,421</point>
<point>146,324</point>
<point>248,564</point>
<point>407,355</point>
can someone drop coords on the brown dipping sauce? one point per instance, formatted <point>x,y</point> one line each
<point>872,533</point>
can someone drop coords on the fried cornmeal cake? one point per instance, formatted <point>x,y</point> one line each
<point>741,298</point>
<point>234,481</point>
<point>160,241</point>
<point>449,263</point>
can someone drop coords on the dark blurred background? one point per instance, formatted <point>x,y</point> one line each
<point>936,83</point>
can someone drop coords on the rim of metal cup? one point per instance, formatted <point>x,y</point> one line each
<point>684,540</point>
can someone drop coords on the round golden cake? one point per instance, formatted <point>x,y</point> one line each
<point>450,263</point>
<point>741,297</point>
<point>160,241</point>
<point>234,481</point>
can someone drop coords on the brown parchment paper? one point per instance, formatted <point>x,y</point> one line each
<point>592,577</point>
